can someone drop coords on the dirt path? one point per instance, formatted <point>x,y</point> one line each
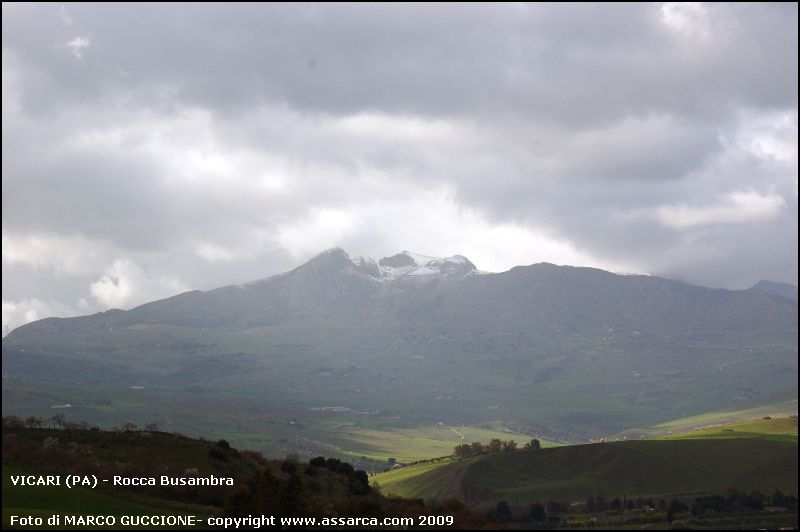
<point>460,436</point>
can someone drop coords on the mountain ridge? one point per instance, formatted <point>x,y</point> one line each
<point>322,269</point>
<point>568,350</point>
<point>785,290</point>
<point>424,268</point>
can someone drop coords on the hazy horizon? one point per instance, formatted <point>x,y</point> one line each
<point>377,259</point>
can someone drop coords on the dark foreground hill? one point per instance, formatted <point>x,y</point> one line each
<point>745,478</point>
<point>753,456</point>
<point>281,488</point>
<point>564,352</point>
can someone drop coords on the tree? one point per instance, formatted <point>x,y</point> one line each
<point>502,512</point>
<point>600,504</point>
<point>554,507</point>
<point>258,495</point>
<point>33,422</point>
<point>537,512</point>
<point>13,422</point>
<point>495,446</point>
<point>359,483</point>
<point>509,446</point>
<point>59,419</point>
<point>462,451</point>
<point>477,448</point>
<point>292,496</point>
<point>534,444</point>
<point>590,504</point>
<point>674,507</point>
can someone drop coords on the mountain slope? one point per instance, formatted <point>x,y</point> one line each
<point>789,291</point>
<point>562,352</point>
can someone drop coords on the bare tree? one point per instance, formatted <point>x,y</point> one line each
<point>59,419</point>
<point>34,422</point>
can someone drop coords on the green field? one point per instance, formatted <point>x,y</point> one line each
<point>778,429</point>
<point>416,443</point>
<point>779,409</point>
<point>367,440</point>
<point>756,457</point>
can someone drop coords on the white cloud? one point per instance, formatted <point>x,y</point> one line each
<point>689,18</point>
<point>62,255</point>
<point>432,223</point>
<point>384,126</point>
<point>738,207</point>
<point>772,139</point>
<point>215,253</point>
<point>77,45</point>
<point>64,15</point>
<point>126,284</point>
<point>321,229</point>
<point>20,312</point>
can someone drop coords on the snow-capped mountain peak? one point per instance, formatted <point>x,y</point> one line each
<point>403,265</point>
<point>408,264</point>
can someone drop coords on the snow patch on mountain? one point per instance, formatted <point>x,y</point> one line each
<point>403,265</point>
<point>413,265</point>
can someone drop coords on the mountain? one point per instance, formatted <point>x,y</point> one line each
<point>789,291</point>
<point>558,351</point>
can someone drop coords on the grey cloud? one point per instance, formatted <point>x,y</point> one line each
<point>190,138</point>
<point>562,63</point>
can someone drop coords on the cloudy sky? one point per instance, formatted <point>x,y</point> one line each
<point>153,149</point>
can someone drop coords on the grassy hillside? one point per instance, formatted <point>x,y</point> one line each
<point>778,409</point>
<point>289,487</point>
<point>680,466</point>
<point>44,501</point>
<point>778,429</point>
<point>132,453</point>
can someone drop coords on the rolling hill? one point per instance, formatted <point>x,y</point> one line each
<point>749,456</point>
